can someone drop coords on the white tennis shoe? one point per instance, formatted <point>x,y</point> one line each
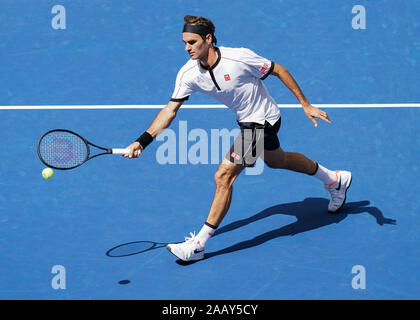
<point>189,250</point>
<point>338,190</point>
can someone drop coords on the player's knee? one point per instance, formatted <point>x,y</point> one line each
<point>270,164</point>
<point>223,178</point>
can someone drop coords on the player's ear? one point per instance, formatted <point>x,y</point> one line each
<point>209,39</point>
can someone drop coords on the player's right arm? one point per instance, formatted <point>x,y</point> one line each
<point>162,121</point>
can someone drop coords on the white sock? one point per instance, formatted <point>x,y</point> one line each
<point>204,235</point>
<point>325,175</point>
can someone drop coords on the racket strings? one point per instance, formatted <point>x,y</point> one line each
<point>63,149</point>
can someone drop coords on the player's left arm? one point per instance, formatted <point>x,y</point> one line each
<point>311,112</point>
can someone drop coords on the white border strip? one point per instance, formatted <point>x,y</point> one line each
<point>210,106</point>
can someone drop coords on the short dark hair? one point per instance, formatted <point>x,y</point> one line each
<point>197,20</point>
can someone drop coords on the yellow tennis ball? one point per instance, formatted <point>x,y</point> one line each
<point>47,173</point>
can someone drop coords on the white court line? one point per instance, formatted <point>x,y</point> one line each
<point>208,106</point>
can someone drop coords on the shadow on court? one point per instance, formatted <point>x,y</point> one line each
<point>310,213</point>
<point>133,248</point>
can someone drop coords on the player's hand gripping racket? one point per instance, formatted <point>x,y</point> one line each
<point>63,149</point>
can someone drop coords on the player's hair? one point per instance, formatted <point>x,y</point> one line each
<point>197,20</point>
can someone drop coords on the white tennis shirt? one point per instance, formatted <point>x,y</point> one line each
<point>235,80</point>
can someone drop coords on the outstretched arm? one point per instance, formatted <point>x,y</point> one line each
<point>162,120</point>
<point>311,112</point>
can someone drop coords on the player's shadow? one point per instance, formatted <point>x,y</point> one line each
<point>310,214</point>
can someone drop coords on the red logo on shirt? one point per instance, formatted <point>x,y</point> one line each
<point>264,68</point>
<point>227,77</point>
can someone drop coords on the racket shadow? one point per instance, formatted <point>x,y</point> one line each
<point>134,248</point>
<point>310,214</point>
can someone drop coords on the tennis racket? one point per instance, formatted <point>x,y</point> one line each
<point>64,149</point>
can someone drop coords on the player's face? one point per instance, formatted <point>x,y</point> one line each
<point>196,47</point>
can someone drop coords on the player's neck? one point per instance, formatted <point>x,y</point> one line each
<point>211,57</point>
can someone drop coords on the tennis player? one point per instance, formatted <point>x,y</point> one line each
<point>234,76</point>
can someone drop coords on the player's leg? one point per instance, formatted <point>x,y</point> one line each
<point>279,159</point>
<point>193,248</point>
<point>224,178</point>
<point>274,156</point>
<point>336,182</point>
<point>243,153</point>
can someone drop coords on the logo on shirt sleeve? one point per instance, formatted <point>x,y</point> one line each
<point>227,77</point>
<point>264,68</point>
<point>235,156</point>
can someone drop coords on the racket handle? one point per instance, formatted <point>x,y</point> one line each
<point>119,151</point>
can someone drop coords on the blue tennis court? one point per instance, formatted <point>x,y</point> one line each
<point>96,224</point>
